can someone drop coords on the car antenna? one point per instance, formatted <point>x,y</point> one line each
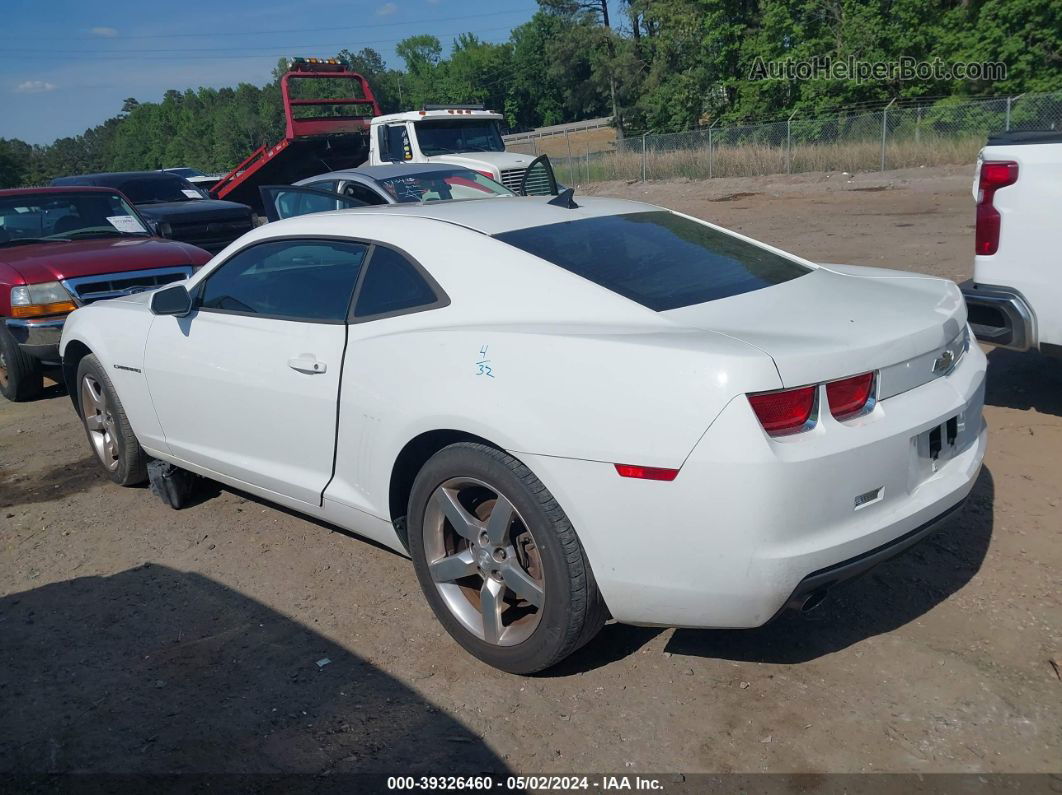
<point>564,199</point>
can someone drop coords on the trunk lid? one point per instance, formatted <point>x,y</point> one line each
<point>837,321</point>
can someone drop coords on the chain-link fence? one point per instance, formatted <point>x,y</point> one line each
<point>898,136</point>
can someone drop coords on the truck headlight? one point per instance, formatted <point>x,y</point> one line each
<point>38,300</point>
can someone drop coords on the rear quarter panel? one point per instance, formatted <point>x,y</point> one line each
<point>606,394</point>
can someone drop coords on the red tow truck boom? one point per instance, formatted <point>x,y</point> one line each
<point>335,138</point>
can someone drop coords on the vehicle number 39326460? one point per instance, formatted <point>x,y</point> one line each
<point>486,783</point>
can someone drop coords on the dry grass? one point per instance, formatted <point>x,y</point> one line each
<point>755,160</point>
<point>599,139</point>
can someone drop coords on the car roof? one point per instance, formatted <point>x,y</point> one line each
<point>388,171</point>
<point>491,217</point>
<point>58,189</point>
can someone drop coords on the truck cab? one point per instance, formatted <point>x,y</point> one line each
<point>461,135</point>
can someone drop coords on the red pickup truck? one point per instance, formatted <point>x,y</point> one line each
<point>61,248</point>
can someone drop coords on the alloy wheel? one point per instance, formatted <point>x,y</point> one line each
<point>99,422</point>
<point>484,561</point>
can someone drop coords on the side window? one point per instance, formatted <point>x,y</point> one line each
<point>290,279</point>
<point>363,193</point>
<point>299,203</point>
<point>324,184</point>
<point>384,142</point>
<point>398,147</point>
<point>392,284</point>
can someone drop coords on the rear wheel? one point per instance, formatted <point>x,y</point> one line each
<point>107,425</point>
<point>498,560</point>
<point>20,374</point>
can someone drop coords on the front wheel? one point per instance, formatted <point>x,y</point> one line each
<point>107,426</point>
<point>498,560</point>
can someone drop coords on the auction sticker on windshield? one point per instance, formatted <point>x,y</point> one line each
<point>191,194</point>
<point>125,223</point>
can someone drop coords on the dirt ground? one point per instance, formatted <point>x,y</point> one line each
<point>233,636</point>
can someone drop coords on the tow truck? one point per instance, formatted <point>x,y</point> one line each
<point>462,135</point>
<point>337,133</point>
<point>321,133</point>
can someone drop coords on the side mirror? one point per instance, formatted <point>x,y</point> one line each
<point>174,300</point>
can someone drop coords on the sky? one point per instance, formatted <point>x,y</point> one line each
<point>66,65</point>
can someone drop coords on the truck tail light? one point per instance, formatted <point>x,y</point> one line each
<point>849,395</point>
<point>784,411</point>
<point>646,473</point>
<point>995,174</point>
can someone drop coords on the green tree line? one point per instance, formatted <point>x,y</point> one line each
<point>662,65</point>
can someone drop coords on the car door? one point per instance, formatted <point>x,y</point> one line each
<point>539,179</point>
<point>288,201</point>
<point>247,384</point>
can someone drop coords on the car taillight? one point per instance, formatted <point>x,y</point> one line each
<point>994,175</point>
<point>849,396</point>
<point>646,473</point>
<point>784,411</point>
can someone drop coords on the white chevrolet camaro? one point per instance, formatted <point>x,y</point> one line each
<point>560,412</point>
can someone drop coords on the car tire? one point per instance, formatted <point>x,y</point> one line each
<point>527,568</point>
<point>107,426</point>
<point>21,377</point>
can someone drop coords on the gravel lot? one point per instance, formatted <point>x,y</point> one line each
<point>138,639</point>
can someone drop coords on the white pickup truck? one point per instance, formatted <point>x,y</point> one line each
<point>1015,298</point>
<point>462,135</point>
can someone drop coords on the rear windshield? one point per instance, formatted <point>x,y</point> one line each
<point>659,259</point>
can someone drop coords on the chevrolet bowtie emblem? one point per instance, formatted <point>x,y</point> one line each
<point>944,362</point>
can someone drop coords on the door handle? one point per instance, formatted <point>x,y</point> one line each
<point>307,363</point>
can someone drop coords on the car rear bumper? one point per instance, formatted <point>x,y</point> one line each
<point>813,588</point>
<point>38,337</point>
<point>1000,316</point>
<point>750,521</point>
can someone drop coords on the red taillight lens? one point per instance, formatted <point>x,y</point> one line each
<point>646,473</point>
<point>986,235</point>
<point>784,411</point>
<point>998,174</point>
<point>850,395</point>
<point>994,175</point>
